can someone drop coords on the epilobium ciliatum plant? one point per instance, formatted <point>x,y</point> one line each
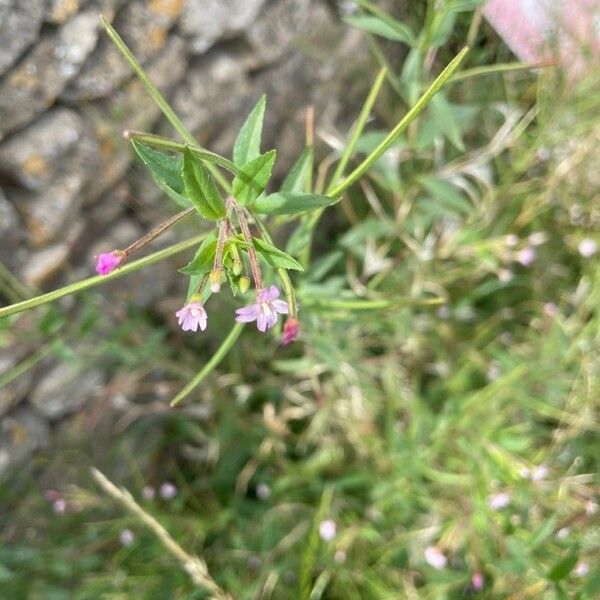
<point>230,195</point>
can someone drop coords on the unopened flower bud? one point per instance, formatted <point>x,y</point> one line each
<point>238,267</point>
<point>215,281</point>
<point>244,283</point>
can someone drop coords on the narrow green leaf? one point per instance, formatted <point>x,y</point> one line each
<point>289,203</point>
<point>563,567</point>
<point>390,29</point>
<point>166,170</point>
<point>253,178</point>
<point>247,144</point>
<point>298,177</point>
<point>200,188</point>
<point>275,257</point>
<point>203,259</point>
<point>446,121</point>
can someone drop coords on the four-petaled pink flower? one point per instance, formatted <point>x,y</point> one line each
<point>291,328</point>
<point>107,262</point>
<point>192,316</point>
<point>264,311</point>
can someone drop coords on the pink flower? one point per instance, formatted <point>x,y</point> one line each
<point>264,311</point>
<point>107,262</point>
<point>587,247</point>
<point>192,316</point>
<point>499,501</point>
<point>435,557</point>
<point>526,256</point>
<point>126,537</point>
<point>477,581</point>
<point>291,328</point>
<point>327,530</point>
<point>168,491</point>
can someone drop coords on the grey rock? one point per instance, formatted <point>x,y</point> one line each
<point>19,26</point>
<point>44,264</point>
<point>213,91</point>
<point>208,21</point>
<point>32,155</point>
<point>131,108</point>
<point>21,432</point>
<point>34,85</point>
<point>144,27</point>
<point>15,390</point>
<point>11,232</point>
<point>65,388</point>
<point>59,11</point>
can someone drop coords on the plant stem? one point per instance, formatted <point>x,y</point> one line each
<point>254,266</point>
<point>215,359</point>
<point>156,231</point>
<point>499,68</point>
<point>90,282</point>
<point>402,125</point>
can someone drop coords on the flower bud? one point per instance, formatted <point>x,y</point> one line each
<point>238,267</point>
<point>244,283</point>
<point>215,281</point>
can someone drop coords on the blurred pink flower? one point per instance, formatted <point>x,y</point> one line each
<point>526,256</point>
<point>291,328</point>
<point>148,492</point>
<point>168,491</point>
<point>126,537</point>
<point>435,557</point>
<point>587,247</point>
<point>499,501</point>
<point>327,530</point>
<point>539,473</point>
<point>477,581</point>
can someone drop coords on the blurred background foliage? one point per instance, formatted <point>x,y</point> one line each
<point>445,441</point>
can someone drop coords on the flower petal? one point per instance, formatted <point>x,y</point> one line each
<point>262,322</point>
<point>280,306</point>
<point>247,313</point>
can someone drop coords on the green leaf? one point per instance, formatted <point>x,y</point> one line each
<point>247,144</point>
<point>563,567</point>
<point>200,187</point>
<point>204,257</point>
<point>447,198</point>
<point>446,121</point>
<point>166,170</point>
<point>289,203</point>
<point>298,177</point>
<point>387,28</point>
<point>275,257</point>
<point>253,178</point>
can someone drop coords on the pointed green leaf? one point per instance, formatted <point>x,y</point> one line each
<point>563,567</point>
<point>247,144</point>
<point>204,257</point>
<point>200,187</point>
<point>253,178</point>
<point>387,28</point>
<point>297,179</point>
<point>166,170</point>
<point>289,203</point>
<point>275,257</point>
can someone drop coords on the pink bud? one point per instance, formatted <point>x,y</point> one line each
<point>291,328</point>
<point>107,262</point>
<point>477,581</point>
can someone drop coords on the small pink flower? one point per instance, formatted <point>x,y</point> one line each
<point>192,316</point>
<point>168,491</point>
<point>264,311</point>
<point>435,557</point>
<point>526,256</point>
<point>291,328</point>
<point>499,501</point>
<point>582,569</point>
<point>587,247</point>
<point>126,537</point>
<point>107,262</point>
<point>148,492</point>
<point>539,473</point>
<point>477,581</point>
<point>59,506</point>
<point>327,530</point>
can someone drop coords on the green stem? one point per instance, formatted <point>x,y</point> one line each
<point>410,116</point>
<point>90,282</point>
<point>358,304</point>
<point>155,94</point>
<point>357,129</point>
<point>500,68</point>
<point>215,359</point>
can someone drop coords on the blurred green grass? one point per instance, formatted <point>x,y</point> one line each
<point>403,425</point>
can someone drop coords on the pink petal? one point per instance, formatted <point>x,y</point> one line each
<point>262,322</point>
<point>247,313</point>
<point>269,294</point>
<point>280,306</point>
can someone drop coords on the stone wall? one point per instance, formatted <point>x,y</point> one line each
<point>68,186</point>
